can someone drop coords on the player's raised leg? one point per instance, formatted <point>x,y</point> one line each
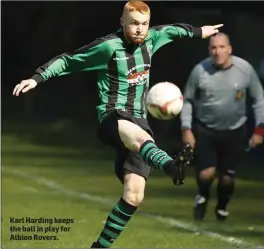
<point>136,139</point>
<point>134,145</point>
<point>134,187</point>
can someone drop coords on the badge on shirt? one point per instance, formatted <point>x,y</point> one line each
<point>239,95</point>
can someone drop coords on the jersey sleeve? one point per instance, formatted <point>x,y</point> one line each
<point>93,56</point>
<point>164,34</point>
<point>186,115</point>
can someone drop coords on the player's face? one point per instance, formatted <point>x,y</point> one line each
<point>220,50</point>
<point>135,26</point>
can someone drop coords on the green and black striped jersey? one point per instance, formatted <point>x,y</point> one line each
<point>123,68</point>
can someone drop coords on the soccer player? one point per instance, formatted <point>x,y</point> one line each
<point>123,61</point>
<point>213,118</point>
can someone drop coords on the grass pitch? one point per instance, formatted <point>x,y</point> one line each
<point>52,174</point>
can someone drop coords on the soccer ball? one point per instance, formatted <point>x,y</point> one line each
<point>164,101</point>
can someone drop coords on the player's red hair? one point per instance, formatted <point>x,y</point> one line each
<point>137,5</point>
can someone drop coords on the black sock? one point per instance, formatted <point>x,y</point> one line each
<point>115,223</point>
<point>204,188</point>
<point>224,194</point>
<point>154,156</point>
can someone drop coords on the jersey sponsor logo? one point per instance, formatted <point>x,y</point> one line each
<point>136,67</point>
<point>138,78</point>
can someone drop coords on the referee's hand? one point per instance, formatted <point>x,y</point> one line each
<point>188,137</point>
<point>255,140</point>
<point>24,86</point>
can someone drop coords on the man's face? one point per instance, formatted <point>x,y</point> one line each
<point>135,26</point>
<point>220,50</point>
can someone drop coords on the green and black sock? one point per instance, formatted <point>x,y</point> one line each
<point>115,223</point>
<point>154,156</point>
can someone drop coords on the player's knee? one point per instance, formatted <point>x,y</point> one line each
<point>133,197</point>
<point>134,187</point>
<point>132,135</point>
<point>139,139</point>
<point>207,174</point>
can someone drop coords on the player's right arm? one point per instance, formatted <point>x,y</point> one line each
<point>187,109</point>
<point>93,56</point>
<point>165,34</point>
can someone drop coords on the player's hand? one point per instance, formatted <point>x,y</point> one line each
<point>255,140</point>
<point>24,86</point>
<point>188,137</point>
<point>208,31</point>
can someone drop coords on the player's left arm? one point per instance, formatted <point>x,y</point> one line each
<point>257,94</point>
<point>164,34</point>
<point>93,56</point>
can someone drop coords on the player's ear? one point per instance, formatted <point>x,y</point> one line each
<point>122,21</point>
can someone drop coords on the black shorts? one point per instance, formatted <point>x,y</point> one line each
<point>125,159</point>
<point>220,149</point>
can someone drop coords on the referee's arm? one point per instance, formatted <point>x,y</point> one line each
<point>257,94</point>
<point>187,110</point>
<point>189,96</point>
